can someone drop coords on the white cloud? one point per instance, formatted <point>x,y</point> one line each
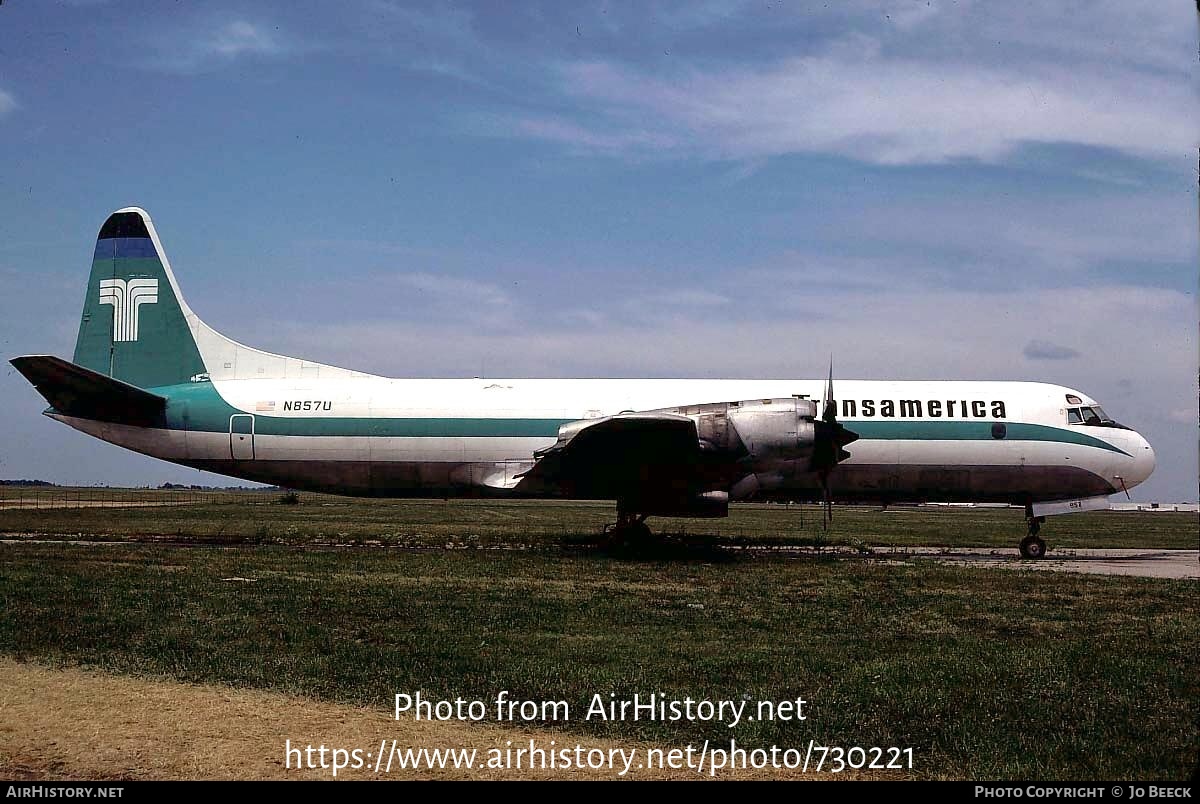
<point>465,294</point>
<point>688,298</point>
<point>582,137</point>
<point>218,46</point>
<point>441,41</point>
<point>904,334</point>
<point>1184,416</point>
<point>240,37</point>
<point>857,102</point>
<point>1048,350</point>
<point>7,102</point>
<point>1160,36</point>
<point>1046,235</point>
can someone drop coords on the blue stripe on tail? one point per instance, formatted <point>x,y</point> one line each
<point>120,248</point>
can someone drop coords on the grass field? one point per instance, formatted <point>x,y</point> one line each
<point>984,674</point>
<point>256,517</point>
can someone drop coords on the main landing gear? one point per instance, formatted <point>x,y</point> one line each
<point>1033,546</point>
<point>629,529</point>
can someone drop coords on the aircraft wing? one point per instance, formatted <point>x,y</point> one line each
<point>626,456</point>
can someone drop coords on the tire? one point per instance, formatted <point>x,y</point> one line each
<point>1033,547</point>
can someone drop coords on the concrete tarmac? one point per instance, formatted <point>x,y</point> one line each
<point>1114,561</point>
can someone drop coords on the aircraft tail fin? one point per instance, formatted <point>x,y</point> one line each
<point>77,391</point>
<point>137,328</point>
<point>135,325</point>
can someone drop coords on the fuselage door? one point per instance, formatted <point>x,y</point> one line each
<point>241,437</point>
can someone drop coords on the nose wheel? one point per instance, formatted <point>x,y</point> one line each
<point>1033,546</point>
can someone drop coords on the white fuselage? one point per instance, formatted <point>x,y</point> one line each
<point>378,436</point>
<point>150,375</point>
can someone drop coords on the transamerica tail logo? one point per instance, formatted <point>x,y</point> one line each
<point>126,297</point>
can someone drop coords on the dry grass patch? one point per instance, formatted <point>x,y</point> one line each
<point>78,724</point>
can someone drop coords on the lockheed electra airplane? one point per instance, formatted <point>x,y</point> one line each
<point>150,376</point>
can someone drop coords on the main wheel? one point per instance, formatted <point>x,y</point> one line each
<point>1033,547</point>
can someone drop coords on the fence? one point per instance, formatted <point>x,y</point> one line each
<point>47,497</point>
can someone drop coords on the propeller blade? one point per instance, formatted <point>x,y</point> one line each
<point>831,435</point>
<point>830,413</point>
<point>828,449</point>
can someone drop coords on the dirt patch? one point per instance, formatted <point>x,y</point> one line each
<point>80,724</point>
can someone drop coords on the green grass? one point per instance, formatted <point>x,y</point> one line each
<point>984,674</point>
<point>256,517</point>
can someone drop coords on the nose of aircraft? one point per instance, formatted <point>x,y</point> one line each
<point>1143,461</point>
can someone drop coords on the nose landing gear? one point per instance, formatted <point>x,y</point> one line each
<point>1033,546</point>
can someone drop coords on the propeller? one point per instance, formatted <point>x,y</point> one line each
<point>828,448</point>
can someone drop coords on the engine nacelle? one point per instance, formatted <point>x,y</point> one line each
<point>764,434</point>
<point>745,447</point>
<point>773,430</point>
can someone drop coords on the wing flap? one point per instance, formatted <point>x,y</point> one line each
<point>76,391</point>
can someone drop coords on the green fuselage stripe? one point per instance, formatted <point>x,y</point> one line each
<point>409,428</point>
<point>926,430</point>
<point>198,407</point>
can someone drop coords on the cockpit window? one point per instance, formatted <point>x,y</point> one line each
<point>1091,415</point>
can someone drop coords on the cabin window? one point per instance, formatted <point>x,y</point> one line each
<point>999,430</point>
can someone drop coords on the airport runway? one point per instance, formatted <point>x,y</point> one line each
<point>1143,563</point>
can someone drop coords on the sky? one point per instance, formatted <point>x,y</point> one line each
<point>717,188</point>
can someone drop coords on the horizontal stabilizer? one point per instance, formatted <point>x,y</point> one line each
<point>76,391</point>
